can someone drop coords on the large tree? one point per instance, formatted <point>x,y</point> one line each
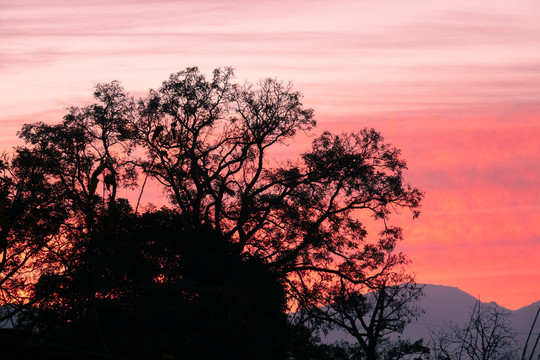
<point>207,143</point>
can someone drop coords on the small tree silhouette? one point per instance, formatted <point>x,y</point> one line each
<point>370,317</point>
<point>487,335</point>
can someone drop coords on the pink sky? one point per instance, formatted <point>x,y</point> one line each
<point>454,84</point>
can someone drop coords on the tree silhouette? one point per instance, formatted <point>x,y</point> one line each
<point>298,226</point>
<point>207,142</point>
<point>370,317</point>
<point>31,217</point>
<point>487,335</point>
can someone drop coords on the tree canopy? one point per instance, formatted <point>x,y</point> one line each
<point>207,143</point>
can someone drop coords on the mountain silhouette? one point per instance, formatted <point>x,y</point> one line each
<point>444,305</point>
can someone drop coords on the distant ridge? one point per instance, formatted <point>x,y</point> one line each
<point>446,304</point>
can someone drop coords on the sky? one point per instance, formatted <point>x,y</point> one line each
<point>454,84</point>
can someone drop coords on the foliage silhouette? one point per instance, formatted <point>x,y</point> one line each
<point>242,238</point>
<point>304,345</point>
<point>31,215</point>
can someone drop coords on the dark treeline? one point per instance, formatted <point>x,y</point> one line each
<point>243,241</point>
